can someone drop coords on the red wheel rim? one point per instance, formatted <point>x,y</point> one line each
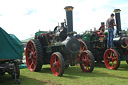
<point>110,59</point>
<point>55,64</point>
<point>85,62</point>
<point>31,56</point>
<point>82,46</point>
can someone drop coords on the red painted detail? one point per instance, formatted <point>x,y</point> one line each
<point>85,62</point>
<point>31,56</point>
<point>51,36</point>
<point>100,31</point>
<point>82,48</point>
<point>79,39</point>
<point>102,26</point>
<point>110,59</point>
<point>55,64</point>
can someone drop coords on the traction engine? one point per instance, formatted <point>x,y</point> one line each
<point>59,48</point>
<point>96,42</point>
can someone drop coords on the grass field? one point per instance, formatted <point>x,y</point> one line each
<point>72,76</point>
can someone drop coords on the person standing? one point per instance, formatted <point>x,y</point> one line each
<point>110,23</point>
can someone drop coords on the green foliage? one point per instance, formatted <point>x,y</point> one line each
<point>72,76</point>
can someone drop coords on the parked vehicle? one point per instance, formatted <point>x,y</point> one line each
<point>11,50</point>
<point>96,42</point>
<point>59,48</point>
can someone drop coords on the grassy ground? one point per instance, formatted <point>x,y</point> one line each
<point>72,76</point>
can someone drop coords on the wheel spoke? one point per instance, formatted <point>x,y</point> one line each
<point>29,49</point>
<point>34,53</point>
<point>113,65</point>
<point>84,60</point>
<point>58,64</point>
<point>34,62</point>
<point>34,50</point>
<point>89,61</point>
<point>87,68</point>
<point>29,61</point>
<point>110,53</point>
<point>82,48</point>
<point>29,58</point>
<point>55,59</point>
<point>83,65</point>
<point>35,57</point>
<point>55,68</point>
<point>31,66</point>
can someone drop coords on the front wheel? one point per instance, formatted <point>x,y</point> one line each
<point>111,59</point>
<point>87,61</point>
<point>57,64</point>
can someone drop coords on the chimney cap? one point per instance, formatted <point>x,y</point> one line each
<point>117,10</point>
<point>68,8</point>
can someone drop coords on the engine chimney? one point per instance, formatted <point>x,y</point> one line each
<point>102,24</point>
<point>118,21</point>
<point>69,17</point>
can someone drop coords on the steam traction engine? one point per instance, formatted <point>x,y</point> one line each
<point>97,43</point>
<point>58,48</point>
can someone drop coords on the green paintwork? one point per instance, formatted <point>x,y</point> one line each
<point>40,32</point>
<point>54,47</point>
<point>86,36</point>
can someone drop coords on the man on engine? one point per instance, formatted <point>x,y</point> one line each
<point>110,23</point>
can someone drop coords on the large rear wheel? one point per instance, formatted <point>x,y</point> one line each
<point>87,61</point>
<point>57,64</point>
<point>111,59</point>
<point>34,55</point>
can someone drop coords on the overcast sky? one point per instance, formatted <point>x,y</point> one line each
<point>25,17</point>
